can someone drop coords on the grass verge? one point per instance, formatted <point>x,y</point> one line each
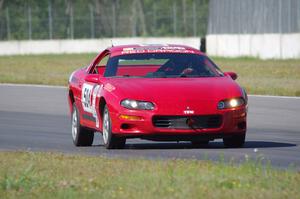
<point>52,175</point>
<point>41,69</point>
<point>272,77</point>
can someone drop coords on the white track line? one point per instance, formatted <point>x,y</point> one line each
<point>274,96</point>
<point>64,87</point>
<point>32,85</point>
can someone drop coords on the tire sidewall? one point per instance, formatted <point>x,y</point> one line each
<point>109,130</point>
<point>75,140</point>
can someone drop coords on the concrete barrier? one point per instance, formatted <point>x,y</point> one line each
<point>84,45</point>
<point>264,46</point>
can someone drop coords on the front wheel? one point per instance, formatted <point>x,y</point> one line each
<point>81,136</point>
<point>109,139</point>
<point>234,141</point>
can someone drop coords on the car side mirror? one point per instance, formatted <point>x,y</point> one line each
<point>233,75</point>
<point>93,78</point>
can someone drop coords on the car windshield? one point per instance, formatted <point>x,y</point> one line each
<point>161,65</point>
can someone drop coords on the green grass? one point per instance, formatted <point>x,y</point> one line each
<point>41,69</point>
<point>272,77</point>
<point>52,175</point>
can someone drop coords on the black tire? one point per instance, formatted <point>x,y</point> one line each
<point>234,141</point>
<point>199,143</point>
<point>81,136</point>
<point>109,139</point>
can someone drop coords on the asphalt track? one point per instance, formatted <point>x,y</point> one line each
<point>36,118</point>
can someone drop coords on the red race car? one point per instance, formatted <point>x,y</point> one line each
<point>156,92</point>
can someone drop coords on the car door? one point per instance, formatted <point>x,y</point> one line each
<point>90,89</point>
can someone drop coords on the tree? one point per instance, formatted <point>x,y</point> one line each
<point>1,4</point>
<point>69,12</point>
<point>100,18</point>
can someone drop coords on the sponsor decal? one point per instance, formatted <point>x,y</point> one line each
<point>188,111</point>
<point>88,99</point>
<point>126,49</point>
<point>172,48</point>
<point>147,45</point>
<point>157,51</point>
<point>109,87</point>
<point>94,112</point>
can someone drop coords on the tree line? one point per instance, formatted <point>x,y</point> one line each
<point>70,19</point>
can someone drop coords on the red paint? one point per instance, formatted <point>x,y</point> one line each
<point>171,96</point>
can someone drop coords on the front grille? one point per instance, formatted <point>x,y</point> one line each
<point>188,122</point>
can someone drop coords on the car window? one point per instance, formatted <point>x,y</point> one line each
<point>103,61</point>
<point>161,65</point>
<point>99,68</point>
<point>130,62</point>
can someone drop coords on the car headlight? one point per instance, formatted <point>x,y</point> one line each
<point>138,105</point>
<point>231,103</point>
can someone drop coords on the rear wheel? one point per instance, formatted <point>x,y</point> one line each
<point>81,136</point>
<point>109,139</point>
<point>234,141</point>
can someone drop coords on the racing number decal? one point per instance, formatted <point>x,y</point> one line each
<point>94,95</point>
<point>88,99</point>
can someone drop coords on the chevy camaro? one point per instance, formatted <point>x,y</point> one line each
<point>156,92</point>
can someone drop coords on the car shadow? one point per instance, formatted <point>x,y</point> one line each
<point>211,145</point>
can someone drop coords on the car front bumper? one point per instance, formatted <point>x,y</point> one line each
<point>140,124</point>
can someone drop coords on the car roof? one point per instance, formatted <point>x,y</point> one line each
<point>151,48</point>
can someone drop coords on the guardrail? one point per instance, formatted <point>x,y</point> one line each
<point>85,45</point>
<point>265,46</point>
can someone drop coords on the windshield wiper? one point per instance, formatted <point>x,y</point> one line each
<point>192,76</point>
<point>183,75</point>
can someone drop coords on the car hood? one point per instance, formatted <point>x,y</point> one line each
<point>154,89</point>
<point>173,95</point>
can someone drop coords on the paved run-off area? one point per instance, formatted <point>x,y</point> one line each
<point>37,118</point>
